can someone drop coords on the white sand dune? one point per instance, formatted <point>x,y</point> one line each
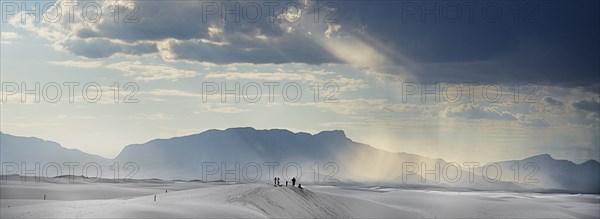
<point>452,204</point>
<point>222,200</point>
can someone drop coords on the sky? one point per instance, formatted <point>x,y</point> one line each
<point>460,80</point>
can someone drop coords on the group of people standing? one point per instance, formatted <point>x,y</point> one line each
<point>276,182</point>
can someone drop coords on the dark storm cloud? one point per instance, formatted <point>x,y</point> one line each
<point>587,105</point>
<point>552,42</point>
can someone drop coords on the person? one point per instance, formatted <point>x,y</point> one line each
<point>275,181</point>
<point>300,186</point>
<point>286,183</point>
<point>294,181</point>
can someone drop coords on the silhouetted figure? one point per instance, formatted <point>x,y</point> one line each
<point>286,183</point>
<point>154,197</point>
<point>278,184</point>
<point>300,186</point>
<point>294,181</point>
<point>44,197</point>
<point>275,181</point>
<point>165,191</point>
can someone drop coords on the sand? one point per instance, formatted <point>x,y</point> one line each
<point>261,200</point>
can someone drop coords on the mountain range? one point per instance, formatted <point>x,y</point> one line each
<point>247,154</point>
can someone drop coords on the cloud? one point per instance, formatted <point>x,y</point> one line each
<point>548,48</point>
<point>356,52</point>
<point>590,105</point>
<point>267,76</point>
<point>348,84</point>
<point>372,108</point>
<point>551,101</point>
<point>177,31</point>
<point>592,88</point>
<point>354,106</point>
<point>182,93</point>
<point>595,116</point>
<point>102,48</point>
<point>284,35</point>
<point>78,64</point>
<point>247,49</point>
<point>8,37</point>
<point>147,72</point>
<point>173,93</point>
<point>476,111</point>
<point>329,78</point>
<point>222,108</point>
<point>526,120</point>
<point>588,111</point>
<point>49,31</point>
<point>9,97</point>
<point>155,116</point>
<point>559,46</point>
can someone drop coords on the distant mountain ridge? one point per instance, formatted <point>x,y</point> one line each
<point>560,174</point>
<point>31,149</point>
<point>331,152</point>
<point>184,156</point>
